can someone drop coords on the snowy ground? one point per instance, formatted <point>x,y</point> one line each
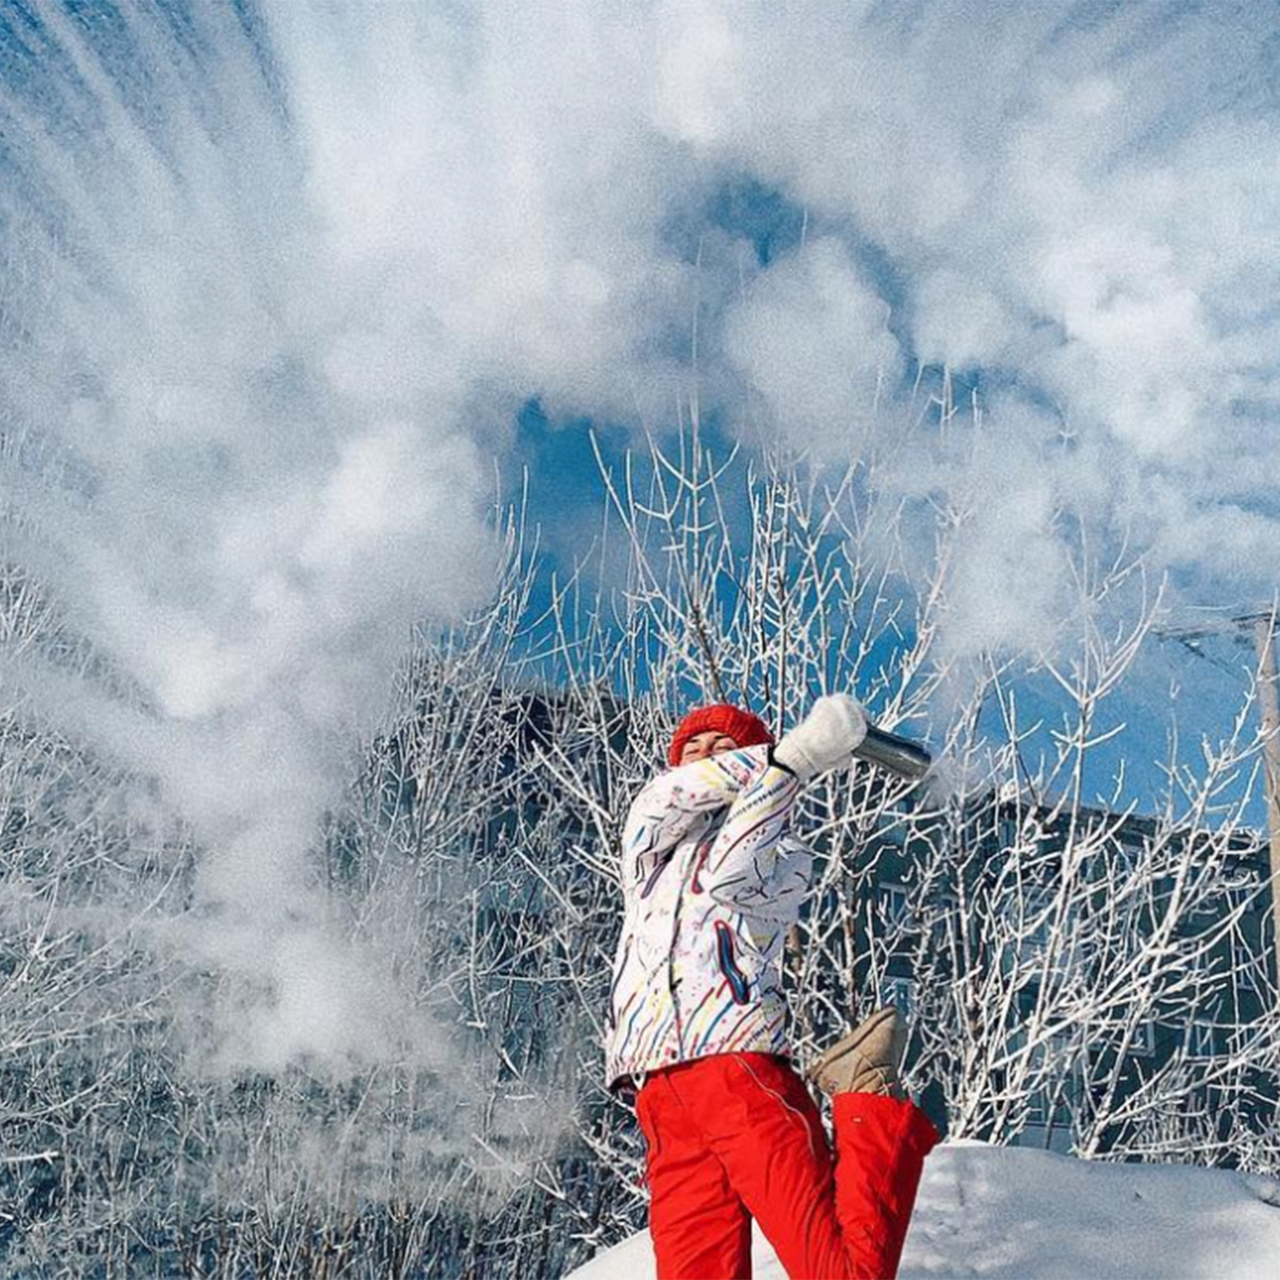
<point>1019,1214</point>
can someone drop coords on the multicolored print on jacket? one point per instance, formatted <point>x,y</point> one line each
<point>712,879</point>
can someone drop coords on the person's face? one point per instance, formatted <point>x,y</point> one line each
<point>702,745</point>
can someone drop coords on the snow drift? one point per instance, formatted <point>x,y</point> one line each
<point>1010,1212</point>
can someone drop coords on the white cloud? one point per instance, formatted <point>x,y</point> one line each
<point>960,323</point>
<point>1078,201</point>
<point>811,337</point>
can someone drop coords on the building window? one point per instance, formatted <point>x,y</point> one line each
<point>1007,834</point>
<point>1144,1039</point>
<point>893,902</point>
<point>900,992</point>
<point>1055,1100</point>
<point>1202,961</point>
<point>1248,964</point>
<point>1035,928</point>
<point>1200,1039</point>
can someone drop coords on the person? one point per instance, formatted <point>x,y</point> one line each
<point>712,879</point>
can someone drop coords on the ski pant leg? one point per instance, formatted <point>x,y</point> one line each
<point>700,1228</point>
<point>770,1138</point>
<point>881,1145</point>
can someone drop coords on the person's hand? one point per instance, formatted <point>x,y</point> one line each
<point>825,739</point>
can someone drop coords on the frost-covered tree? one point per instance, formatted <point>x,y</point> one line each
<point>1079,972</point>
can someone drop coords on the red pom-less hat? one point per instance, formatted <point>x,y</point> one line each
<point>744,728</point>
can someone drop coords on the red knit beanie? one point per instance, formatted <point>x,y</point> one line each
<point>744,728</point>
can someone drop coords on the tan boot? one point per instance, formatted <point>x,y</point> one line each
<point>867,1060</point>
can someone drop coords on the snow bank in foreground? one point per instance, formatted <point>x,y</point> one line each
<point>1028,1215</point>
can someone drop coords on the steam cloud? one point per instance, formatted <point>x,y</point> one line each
<point>276,283</point>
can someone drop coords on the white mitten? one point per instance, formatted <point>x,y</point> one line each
<point>825,739</point>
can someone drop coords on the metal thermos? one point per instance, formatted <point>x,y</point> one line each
<point>898,755</point>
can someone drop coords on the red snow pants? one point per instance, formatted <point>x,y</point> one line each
<point>737,1136</point>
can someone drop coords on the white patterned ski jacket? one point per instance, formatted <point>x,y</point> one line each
<point>712,879</point>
